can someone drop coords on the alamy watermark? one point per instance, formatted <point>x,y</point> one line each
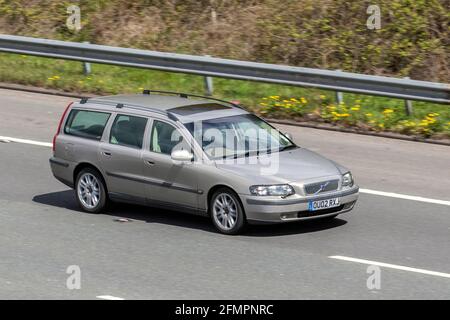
<point>73,22</point>
<point>374,280</point>
<point>240,142</point>
<point>73,282</point>
<point>374,20</point>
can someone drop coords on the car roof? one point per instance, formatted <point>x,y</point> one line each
<point>184,108</point>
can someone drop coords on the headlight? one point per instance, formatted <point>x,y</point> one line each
<point>347,180</point>
<point>282,190</point>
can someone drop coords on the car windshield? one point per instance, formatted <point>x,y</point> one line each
<point>237,136</point>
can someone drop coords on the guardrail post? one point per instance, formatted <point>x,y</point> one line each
<point>86,65</point>
<point>209,86</point>
<point>408,105</point>
<point>339,95</point>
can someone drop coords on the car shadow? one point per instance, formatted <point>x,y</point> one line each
<point>66,200</point>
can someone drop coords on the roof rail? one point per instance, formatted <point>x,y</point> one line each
<point>169,114</point>
<point>187,95</point>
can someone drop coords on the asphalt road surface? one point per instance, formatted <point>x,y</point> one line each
<point>401,224</point>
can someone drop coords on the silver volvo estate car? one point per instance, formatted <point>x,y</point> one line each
<point>194,154</point>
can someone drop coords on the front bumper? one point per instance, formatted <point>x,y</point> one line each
<point>275,209</point>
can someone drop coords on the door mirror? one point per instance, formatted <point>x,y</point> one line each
<point>181,155</point>
<point>289,136</point>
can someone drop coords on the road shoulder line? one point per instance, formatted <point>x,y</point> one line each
<point>404,196</point>
<point>391,266</point>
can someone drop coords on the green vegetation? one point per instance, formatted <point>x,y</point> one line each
<point>272,101</point>
<point>414,39</point>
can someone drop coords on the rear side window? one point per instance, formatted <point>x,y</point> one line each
<point>86,124</point>
<point>128,131</point>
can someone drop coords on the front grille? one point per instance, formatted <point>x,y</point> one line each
<point>304,214</point>
<point>319,187</point>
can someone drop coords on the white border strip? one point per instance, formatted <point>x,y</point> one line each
<point>107,297</point>
<point>404,196</point>
<point>26,141</point>
<point>392,266</point>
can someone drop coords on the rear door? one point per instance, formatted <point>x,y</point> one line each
<point>121,157</point>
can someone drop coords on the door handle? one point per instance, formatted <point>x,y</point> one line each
<point>106,153</point>
<point>150,162</point>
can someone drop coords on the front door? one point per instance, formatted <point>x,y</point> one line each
<point>170,183</point>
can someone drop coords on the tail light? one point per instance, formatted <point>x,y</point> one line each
<point>60,124</point>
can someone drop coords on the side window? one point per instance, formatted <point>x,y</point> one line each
<point>128,131</point>
<point>164,137</point>
<point>86,124</point>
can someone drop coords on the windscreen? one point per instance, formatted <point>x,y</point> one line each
<point>237,136</point>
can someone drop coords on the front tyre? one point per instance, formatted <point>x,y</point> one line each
<point>226,212</point>
<point>90,190</point>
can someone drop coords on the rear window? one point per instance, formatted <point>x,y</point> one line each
<point>86,124</point>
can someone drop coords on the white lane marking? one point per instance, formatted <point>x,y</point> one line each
<point>107,297</point>
<point>392,266</point>
<point>404,196</point>
<point>26,141</point>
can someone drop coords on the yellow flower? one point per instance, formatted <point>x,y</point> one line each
<point>387,111</point>
<point>369,114</point>
<point>56,77</point>
<point>263,104</point>
<point>264,98</point>
<point>322,97</point>
<point>355,108</point>
<point>303,100</point>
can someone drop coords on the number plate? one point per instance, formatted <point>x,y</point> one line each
<point>323,204</point>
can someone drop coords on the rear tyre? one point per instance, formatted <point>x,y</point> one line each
<point>90,190</point>
<point>226,212</point>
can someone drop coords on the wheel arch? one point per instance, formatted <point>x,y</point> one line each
<point>84,165</point>
<point>216,187</point>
